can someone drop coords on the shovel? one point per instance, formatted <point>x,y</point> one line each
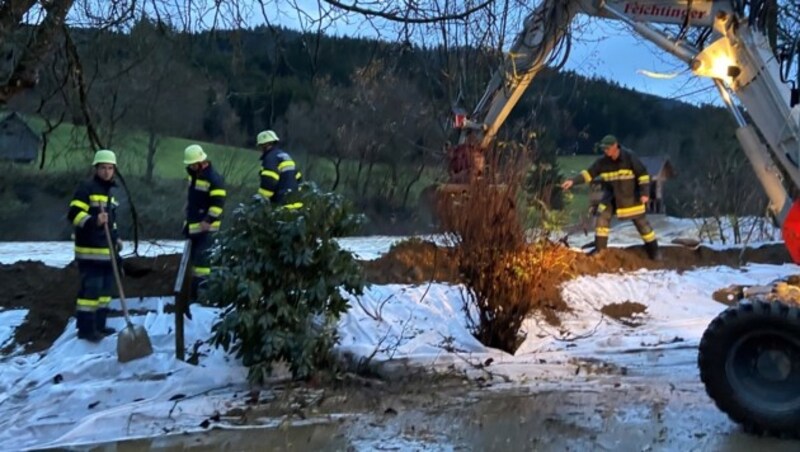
<point>133,341</point>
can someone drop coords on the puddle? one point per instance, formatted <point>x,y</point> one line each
<point>629,417</point>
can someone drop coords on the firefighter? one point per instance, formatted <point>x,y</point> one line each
<point>93,207</point>
<point>204,206</point>
<point>279,173</point>
<point>626,187</point>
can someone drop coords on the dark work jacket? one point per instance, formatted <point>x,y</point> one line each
<point>625,178</point>
<point>205,200</point>
<point>279,176</point>
<point>90,239</point>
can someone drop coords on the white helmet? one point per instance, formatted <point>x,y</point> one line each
<point>266,137</point>
<point>194,153</point>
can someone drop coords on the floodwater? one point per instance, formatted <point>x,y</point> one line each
<point>607,414</point>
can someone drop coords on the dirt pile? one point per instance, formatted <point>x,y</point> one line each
<point>412,262</point>
<point>678,258</point>
<point>628,312</point>
<point>419,262</point>
<point>49,293</point>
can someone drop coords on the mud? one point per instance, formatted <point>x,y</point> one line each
<point>639,409</point>
<point>610,413</point>
<point>49,293</point>
<point>628,312</point>
<point>413,262</point>
<point>419,262</point>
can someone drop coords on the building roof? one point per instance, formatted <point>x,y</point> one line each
<point>13,117</point>
<point>18,141</point>
<point>658,167</point>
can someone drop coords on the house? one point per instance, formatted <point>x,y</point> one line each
<point>660,170</point>
<point>18,142</point>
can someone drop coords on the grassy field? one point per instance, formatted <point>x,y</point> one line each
<point>571,165</point>
<point>69,150</point>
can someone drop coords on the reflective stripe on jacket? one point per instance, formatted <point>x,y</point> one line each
<point>92,197</point>
<point>279,176</point>
<point>626,178</point>
<point>205,200</point>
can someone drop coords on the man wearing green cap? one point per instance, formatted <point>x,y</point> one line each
<point>627,185</point>
<point>205,202</point>
<point>92,207</point>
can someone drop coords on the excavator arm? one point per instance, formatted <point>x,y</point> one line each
<point>543,31</point>
<point>739,61</point>
<point>749,357</point>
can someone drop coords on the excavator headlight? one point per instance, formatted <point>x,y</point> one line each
<point>717,61</point>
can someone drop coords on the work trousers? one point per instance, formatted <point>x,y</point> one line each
<point>95,293</point>
<point>201,268</point>
<point>603,227</point>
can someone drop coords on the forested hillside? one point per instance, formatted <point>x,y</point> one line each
<point>374,114</point>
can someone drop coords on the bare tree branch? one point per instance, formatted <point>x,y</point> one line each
<point>25,72</point>
<point>11,13</point>
<point>405,17</point>
<point>77,72</point>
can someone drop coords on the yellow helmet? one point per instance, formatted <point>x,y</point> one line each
<point>104,156</point>
<point>194,154</point>
<point>266,136</point>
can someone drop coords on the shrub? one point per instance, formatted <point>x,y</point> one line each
<point>505,277</point>
<point>282,278</point>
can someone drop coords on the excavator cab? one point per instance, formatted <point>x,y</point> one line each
<point>467,172</point>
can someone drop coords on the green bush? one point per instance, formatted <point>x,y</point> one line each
<point>282,277</point>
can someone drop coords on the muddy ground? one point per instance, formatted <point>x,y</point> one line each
<point>646,408</point>
<point>665,411</point>
<point>49,293</point>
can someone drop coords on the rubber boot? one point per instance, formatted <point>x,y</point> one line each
<point>600,245</point>
<point>100,322</point>
<point>87,326</point>
<point>198,284</point>
<point>653,252</point>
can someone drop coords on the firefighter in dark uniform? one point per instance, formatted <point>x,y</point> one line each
<point>91,208</point>
<point>279,173</point>
<point>626,185</point>
<point>204,206</point>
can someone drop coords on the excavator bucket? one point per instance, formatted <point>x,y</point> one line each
<point>791,232</point>
<point>440,202</point>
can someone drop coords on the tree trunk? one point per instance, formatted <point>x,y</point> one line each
<point>152,147</point>
<point>337,163</point>
<point>414,180</point>
<point>367,179</point>
<point>361,157</point>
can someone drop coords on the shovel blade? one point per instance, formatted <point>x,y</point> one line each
<point>133,343</point>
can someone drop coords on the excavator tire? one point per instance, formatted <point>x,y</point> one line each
<point>749,361</point>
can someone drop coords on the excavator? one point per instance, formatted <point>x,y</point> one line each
<point>749,355</point>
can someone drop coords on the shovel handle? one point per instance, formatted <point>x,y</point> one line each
<point>115,269</point>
